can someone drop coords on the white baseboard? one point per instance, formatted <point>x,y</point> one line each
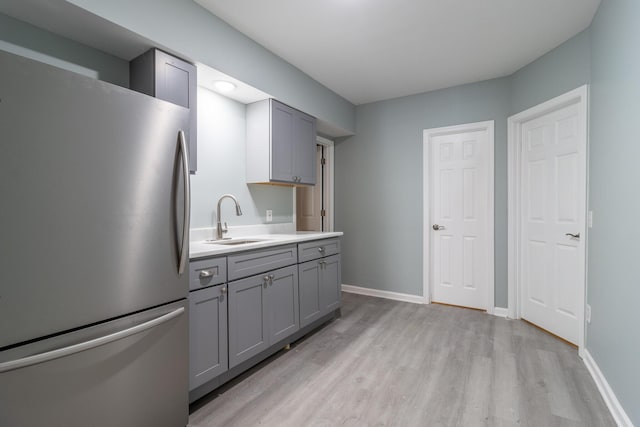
<point>500,312</point>
<point>617,411</point>
<point>397,296</point>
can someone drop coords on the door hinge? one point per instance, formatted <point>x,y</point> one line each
<point>323,161</point>
<point>323,212</point>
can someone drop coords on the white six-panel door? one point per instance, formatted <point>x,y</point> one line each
<point>552,195</point>
<point>461,207</point>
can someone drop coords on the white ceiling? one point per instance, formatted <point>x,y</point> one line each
<point>370,50</point>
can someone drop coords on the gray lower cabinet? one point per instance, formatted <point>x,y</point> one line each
<point>263,310</point>
<point>207,334</point>
<point>320,288</point>
<point>331,289</point>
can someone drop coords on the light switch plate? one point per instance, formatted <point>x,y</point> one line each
<point>269,215</point>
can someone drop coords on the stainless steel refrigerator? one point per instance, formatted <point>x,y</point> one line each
<point>94,211</point>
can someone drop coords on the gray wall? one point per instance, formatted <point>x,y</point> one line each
<point>379,170</point>
<point>379,183</point>
<point>613,337</point>
<point>185,27</point>
<point>565,68</point>
<point>32,42</point>
<point>221,169</point>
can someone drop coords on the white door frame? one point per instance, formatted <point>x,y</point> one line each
<point>329,188</point>
<point>428,134</point>
<point>514,148</point>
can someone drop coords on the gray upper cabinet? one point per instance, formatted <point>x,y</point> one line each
<point>166,77</point>
<point>281,144</point>
<point>263,310</point>
<point>207,335</point>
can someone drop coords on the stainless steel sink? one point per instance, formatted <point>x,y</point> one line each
<point>228,242</point>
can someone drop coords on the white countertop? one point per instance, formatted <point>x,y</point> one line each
<point>201,249</point>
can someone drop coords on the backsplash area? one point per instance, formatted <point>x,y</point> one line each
<point>221,170</point>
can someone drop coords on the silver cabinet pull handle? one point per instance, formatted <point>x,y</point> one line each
<point>575,236</point>
<point>87,345</point>
<point>184,246</point>
<point>321,249</point>
<point>223,290</point>
<point>206,273</point>
<point>438,227</point>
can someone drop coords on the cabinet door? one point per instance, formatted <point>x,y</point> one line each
<point>248,332</point>
<point>207,335</point>
<point>330,291</point>
<point>283,309</point>
<point>176,82</point>
<point>282,141</point>
<point>171,79</point>
<point>309,276</point>
<point>304,146</point>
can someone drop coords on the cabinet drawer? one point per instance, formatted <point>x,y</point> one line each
<point>207,272</point>
<point>247,264</point>
<point>317,249</point>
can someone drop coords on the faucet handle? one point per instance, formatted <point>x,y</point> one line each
<point>225,229</point>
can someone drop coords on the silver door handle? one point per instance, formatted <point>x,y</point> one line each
<point>575,236</point>
<point>184,246</point>
<point>223,290</point>
<point>206,273</point>
<point>87,345</point>
<point>321,249</point>
<point>438,227</point>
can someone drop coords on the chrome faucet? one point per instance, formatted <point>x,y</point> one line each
<point>219,230</point>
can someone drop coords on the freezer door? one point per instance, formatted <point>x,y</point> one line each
<point>91,183</point>
<point>138,378</point>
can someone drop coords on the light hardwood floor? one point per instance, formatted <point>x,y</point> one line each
<point>388,363</point>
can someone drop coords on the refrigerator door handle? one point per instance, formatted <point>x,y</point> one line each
<point>184,246</point>
<point>76,348</point>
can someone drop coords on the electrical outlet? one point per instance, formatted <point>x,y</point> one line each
<point>269,215</point>
<point>588,313</point>
<point>590,219</point>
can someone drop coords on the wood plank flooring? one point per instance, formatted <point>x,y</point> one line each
<point>388,363</point>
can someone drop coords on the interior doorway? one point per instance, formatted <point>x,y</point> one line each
<point>314,204</point>
<point>458,215</point>
<point>547,213</point>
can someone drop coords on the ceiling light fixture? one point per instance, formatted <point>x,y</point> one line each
<point>224,86</point>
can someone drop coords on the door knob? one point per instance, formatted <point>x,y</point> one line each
<point>575,236</point>
<point>438,227</point>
